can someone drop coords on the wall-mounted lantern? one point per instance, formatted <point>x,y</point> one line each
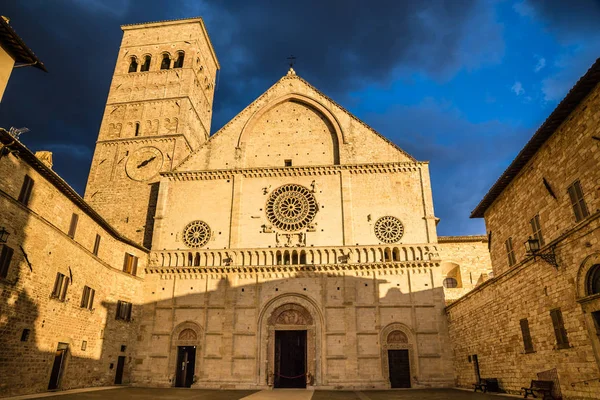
<point>532,247</point>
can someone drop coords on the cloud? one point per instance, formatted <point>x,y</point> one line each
<point>517,88</point>
<point>465,157</point>
<point>541,63</point>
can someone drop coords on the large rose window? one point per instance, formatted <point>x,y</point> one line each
<point>291,207</point>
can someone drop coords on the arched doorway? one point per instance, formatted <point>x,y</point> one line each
<point>185,353</point>
<point>398,355</point>
<point>290,355</point>
<point>588,296</point>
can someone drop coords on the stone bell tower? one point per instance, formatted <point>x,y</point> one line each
<point>158,111</point>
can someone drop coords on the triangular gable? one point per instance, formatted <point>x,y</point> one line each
<point>354,141</point>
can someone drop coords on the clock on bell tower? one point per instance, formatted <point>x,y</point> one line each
<point>158,111</point>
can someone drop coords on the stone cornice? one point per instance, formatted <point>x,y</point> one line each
<point>391,267</point>
<point>145,140</point>
<point>398,167</point>
<point>462,239</point>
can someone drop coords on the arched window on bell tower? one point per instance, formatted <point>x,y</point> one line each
<point>166,61</point>
<point>133,64</point>
<point>179,60</point>
<point>146,64</point>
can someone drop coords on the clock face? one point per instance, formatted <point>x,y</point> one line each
<point>144,163</point>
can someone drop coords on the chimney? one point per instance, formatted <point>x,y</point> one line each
<point>45,157</point>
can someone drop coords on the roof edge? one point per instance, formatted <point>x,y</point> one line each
<point>462,239</point>
<point>27,155</point>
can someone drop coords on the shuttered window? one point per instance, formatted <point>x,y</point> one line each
<point>130,264</point>
<point>73,226</point>
<point>562,341</point>
<point>123,311</point>
<point>5,257</point>
<point>97,245</point>
<point>527,342</point>
<point>26,188</point>
<point>577,201</point>
<point>536,228</point>
<point>60,287</point>
<point>87,298</point>
<point>510,252</point>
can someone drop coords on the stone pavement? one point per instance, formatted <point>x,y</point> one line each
<point>284,394</point>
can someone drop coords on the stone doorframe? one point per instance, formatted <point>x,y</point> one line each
<point>290,312</point>
<point>589,302</point>
<point>397,336</point>
<point>187,333</point>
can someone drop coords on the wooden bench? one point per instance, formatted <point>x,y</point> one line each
<point>543,387</point>
<point>487,385</point>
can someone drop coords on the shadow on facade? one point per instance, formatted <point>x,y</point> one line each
<point>233,331</point>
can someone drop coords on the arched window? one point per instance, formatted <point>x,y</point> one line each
<point>179,60</point>
<point>146,64</point>
<point>137,129</point>
<point>450,283</point>
<point>593,280</point>
<point>166,62</point>
<point>133,65</point>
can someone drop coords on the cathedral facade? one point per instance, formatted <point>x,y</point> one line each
<point>296,246</point>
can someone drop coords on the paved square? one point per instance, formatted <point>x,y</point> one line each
<point>286,394</point>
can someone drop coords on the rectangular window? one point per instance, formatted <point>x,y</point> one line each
<point>87,299</point>
<point>60,287</point>
<point>577,201</point>
<point>97,245</point>
<point>536,228</point>
<point>288,163</point>
<point>73,226</point>
<point>123,311</point>
<point>510,252</point>
<point>5,257</point>
<point>562,342</point>
<point>527,343</point>
<point>25,194</point>
<point>130,264</point>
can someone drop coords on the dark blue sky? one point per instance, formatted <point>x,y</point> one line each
<point>462,84</point>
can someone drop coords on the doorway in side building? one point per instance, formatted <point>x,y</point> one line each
<point>58,366</point>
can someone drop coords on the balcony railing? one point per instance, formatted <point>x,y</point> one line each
<point>420,253</point>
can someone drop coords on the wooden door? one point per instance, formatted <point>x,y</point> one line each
<point>290,359</point>
<point>57,366</point>
<point>399,364</point>
<point>186,361</point>
<point>120,368</point>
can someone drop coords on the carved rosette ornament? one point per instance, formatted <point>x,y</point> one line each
<point>291,207</point>
<point>397,337</point>
<point>389,229</point>
<point>196,234</point>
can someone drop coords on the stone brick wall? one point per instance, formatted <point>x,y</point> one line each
<point>485,322</point>
<point>466,259</point>
<point>42,248</point>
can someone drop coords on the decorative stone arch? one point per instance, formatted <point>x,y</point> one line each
<point>290,312</point>
<point>187,333</point>
<point>583,273</point>
<point>307,101</point>
<point>398,336</point>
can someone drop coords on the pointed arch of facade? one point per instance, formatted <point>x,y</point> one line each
<point>290,311</point>
<point>399,336</point>
<point>302,99</point>
<point>187,333</point>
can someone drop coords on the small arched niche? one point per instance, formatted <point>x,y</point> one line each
<point>451,275</point>
<point>291,132</point>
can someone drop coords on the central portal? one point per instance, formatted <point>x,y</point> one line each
<point>290,359</point>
